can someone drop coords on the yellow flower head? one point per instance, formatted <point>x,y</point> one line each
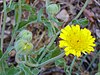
<point>76,41</point>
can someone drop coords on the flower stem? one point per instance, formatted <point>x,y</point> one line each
<point>14,32</point>
<point>48,46</point>
<point>51,60</point>
<point>10,3</point>
<point>72,64</point>
<point>4,23</point>
<point>86,3</point>
<point>47,3</point>
<point>38,65</point>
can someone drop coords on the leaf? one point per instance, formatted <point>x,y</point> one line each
<point>39,15</point>
<point>98,73</point>
<point>56,52</point>
<point>25,69</point>
<point>82,22</point>
<point>35,71</point>
<point>16,16</point>
<point>3,67</point>
<point>12,71</point>
<point>12,7</point>
<point>53,51</point>
<point>1,53</point>
<point>41,50</point>
<point>27,7</point>
<point>98,67</point>
<point>60,62</point>
<point>25,23</point>
<point>48,25</point>
<point>56,21</point>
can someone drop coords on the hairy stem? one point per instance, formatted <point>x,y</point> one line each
<point>42,64</point>
<point>14,32</point>
<point>72,64</point>
<point>78,15</point>
<point>4,23</point>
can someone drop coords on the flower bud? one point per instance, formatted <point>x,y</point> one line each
<point>23,45</point>
<point>25,35</point>
<point>53,9</point>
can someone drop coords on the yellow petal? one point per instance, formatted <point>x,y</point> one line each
<point>62,43</point>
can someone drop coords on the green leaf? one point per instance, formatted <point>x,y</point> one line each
<point>82,22</point>
<point>49,27</point>
<point>25,69</point>
<point>56,21</point>
<point>12,7</point>
<point>39,15</point>
<point>60,62</point>
<point>98,67</point>
<point>56,52</point>
<point>47,57</point>
<point>35,71</point>
<point>16,16</point>
<point>1,53</point>
<point>25,23</point>
<point>27,7</point>
<point>41,50</point>
<point>12,71</point>
<point>3,67</point>
<point>98,73</point>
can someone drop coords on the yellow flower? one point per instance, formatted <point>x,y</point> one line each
<point>76,41</point>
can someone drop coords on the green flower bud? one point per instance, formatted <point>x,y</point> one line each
<point>25,35</point>
<point>53,9</point>
<point>23,45</point>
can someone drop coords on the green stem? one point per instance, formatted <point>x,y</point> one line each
<point>38,65</point>
<point>17,59</point>
<point>14,33</point>
<point>4,23</point>
<point>48,46</point>
<point>86,3</point>
<point>47,3</point>
<point>53,27</point>
<point>72,64</point>
<point>19,12</point>
<point>52,59</point>
<point>10,3</point>
<point>3,68</point>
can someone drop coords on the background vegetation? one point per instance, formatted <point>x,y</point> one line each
<point>45,22</point>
